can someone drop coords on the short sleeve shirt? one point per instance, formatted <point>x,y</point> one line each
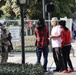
<point>56,42</point>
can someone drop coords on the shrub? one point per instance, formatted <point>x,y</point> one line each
<point>20,69</point>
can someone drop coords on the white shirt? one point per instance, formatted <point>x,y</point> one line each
<point>56,42</point>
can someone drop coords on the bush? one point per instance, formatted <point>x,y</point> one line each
<point>20,69</point>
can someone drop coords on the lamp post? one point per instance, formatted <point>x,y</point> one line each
<point>43,7</point>
<point>21,3</point>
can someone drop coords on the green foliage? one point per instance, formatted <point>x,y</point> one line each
<point>10,8</point>
<point>2,2</point>
<point>20,69</point>
<point>63,8</point>
<point>34,9</point>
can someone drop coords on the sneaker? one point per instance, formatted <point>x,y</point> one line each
<point>37,63</point>
<point>65,71</point>
<point>71,70</point>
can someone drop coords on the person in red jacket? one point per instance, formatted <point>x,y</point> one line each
<point>66,46</point>
<point>42,42</point>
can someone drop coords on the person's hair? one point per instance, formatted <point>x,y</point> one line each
<point>42,21</point>
<point>63,24</point>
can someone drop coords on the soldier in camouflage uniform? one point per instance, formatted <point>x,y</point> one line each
<point>4,45</point>
<point>0,41</point>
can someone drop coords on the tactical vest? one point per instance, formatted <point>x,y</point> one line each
<point>4,38</point>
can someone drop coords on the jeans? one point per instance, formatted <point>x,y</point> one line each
<point>45,51</point>
<point>74,34</point>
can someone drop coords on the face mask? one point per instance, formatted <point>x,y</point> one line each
<point>3,26</point>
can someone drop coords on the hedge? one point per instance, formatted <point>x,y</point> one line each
<point>20,69</point>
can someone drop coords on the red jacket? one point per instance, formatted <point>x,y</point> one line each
<point>66,37</point>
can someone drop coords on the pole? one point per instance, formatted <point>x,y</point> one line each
<point>49,14</point>
<point>22,34</point>
<point>43,5</point>
<point>49,21</point>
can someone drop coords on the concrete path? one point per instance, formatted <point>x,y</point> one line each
<point>31,58</point>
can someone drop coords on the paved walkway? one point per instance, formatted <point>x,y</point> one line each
<point>31,58</point>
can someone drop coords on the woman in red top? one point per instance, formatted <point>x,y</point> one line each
<point>66,46</point>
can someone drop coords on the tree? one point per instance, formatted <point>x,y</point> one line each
<point>7,9</point>
<point>34,9</point>
<point>2,2</point>
<point>63,8</point>
<point>1,13</point>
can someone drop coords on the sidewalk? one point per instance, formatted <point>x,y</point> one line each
<point>31,58</point>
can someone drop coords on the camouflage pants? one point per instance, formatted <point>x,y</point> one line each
<point>4,54</point>
<point>4,57</point>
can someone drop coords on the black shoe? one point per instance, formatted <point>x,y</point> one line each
<point>45,70</point>
<point>56,70</point>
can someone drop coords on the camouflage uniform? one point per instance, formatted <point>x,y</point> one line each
<point>0,42</point>
<point>5,44</point>
<point>0,45</point>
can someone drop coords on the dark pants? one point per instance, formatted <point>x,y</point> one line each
<point>74,34</point>
<point>66,56</point>
<point>58,58</point>
<point>45,51</point>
